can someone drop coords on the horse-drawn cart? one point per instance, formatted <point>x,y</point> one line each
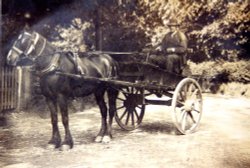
<point>137,82</point>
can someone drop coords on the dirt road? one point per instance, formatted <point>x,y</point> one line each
<point>223,140</point>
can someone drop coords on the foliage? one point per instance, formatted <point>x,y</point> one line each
<point>216,29</point>
<point>238,71</point>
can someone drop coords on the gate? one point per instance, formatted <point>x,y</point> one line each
<point>8,88</point>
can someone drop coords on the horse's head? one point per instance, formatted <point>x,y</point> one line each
<point>24,49</point>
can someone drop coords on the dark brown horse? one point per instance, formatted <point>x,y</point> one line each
<point>47,61</point>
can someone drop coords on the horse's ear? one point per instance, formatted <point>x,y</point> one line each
<point>27,29</point>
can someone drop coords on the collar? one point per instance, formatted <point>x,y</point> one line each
<point>52,66</point>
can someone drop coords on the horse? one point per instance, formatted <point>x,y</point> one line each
<point>47,60</point>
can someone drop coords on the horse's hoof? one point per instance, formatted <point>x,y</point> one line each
<point>98,139</point>
<point>51,146</point>
<point>106,139</point>
<point>65,147</point>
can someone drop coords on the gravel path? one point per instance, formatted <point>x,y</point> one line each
<point>223,140</point>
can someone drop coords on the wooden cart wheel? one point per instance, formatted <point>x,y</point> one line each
<point>187,106</point>
<point>130,108</point>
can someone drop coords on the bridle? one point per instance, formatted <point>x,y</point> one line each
<point>31,46</point>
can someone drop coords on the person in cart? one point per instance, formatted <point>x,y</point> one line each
<point>171,53</point>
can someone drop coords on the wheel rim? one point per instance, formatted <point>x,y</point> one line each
<point>187,106</point>
<point>130,108</point>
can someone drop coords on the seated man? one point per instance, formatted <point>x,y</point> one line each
<point>171,54</point>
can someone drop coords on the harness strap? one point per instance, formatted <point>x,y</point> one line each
<point>76,60</point>
<point>17,50</point>
<point>53,64</point>
<point>44,44</point>
<point>34,43</point>
<point>79,68</point>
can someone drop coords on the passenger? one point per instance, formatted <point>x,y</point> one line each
<point>172,52</point>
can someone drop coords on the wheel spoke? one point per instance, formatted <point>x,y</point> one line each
<point>180,103</point>
<point>188,88</point>
<point>139,107</point>
<point>194,93</point>
<point>127,89</point>
<point>180,97</point>
<point>137,91</point>
<point>120,118</point>
<point>196,110</point>
<point>120,107</point>
<point>125,94</point>
<point>183,121</point>
<point>120,99</point>
<point>191,116</point>
<point>123,90</point>
<point>132,118</point>
<point>128,114</point>
<point>183,95</point>
<point>136,114</point>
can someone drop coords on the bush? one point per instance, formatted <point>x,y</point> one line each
<point>237,71</point>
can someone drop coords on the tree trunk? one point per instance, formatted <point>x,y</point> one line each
<point>98,29</point>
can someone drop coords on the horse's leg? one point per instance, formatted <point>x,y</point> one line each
<point>63,105</point>
<point>55,141</point>
<point>99,95</point>
<point>112,95</point>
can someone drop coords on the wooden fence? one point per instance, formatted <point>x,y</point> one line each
<point>8,88</point>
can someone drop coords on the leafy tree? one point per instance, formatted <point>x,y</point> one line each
<point>216,29</point>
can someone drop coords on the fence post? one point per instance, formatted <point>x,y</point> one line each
<point>19,87</point>
<point>27,87</point>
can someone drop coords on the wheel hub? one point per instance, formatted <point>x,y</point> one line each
<point>189,105</point>
<point>133,100</point>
